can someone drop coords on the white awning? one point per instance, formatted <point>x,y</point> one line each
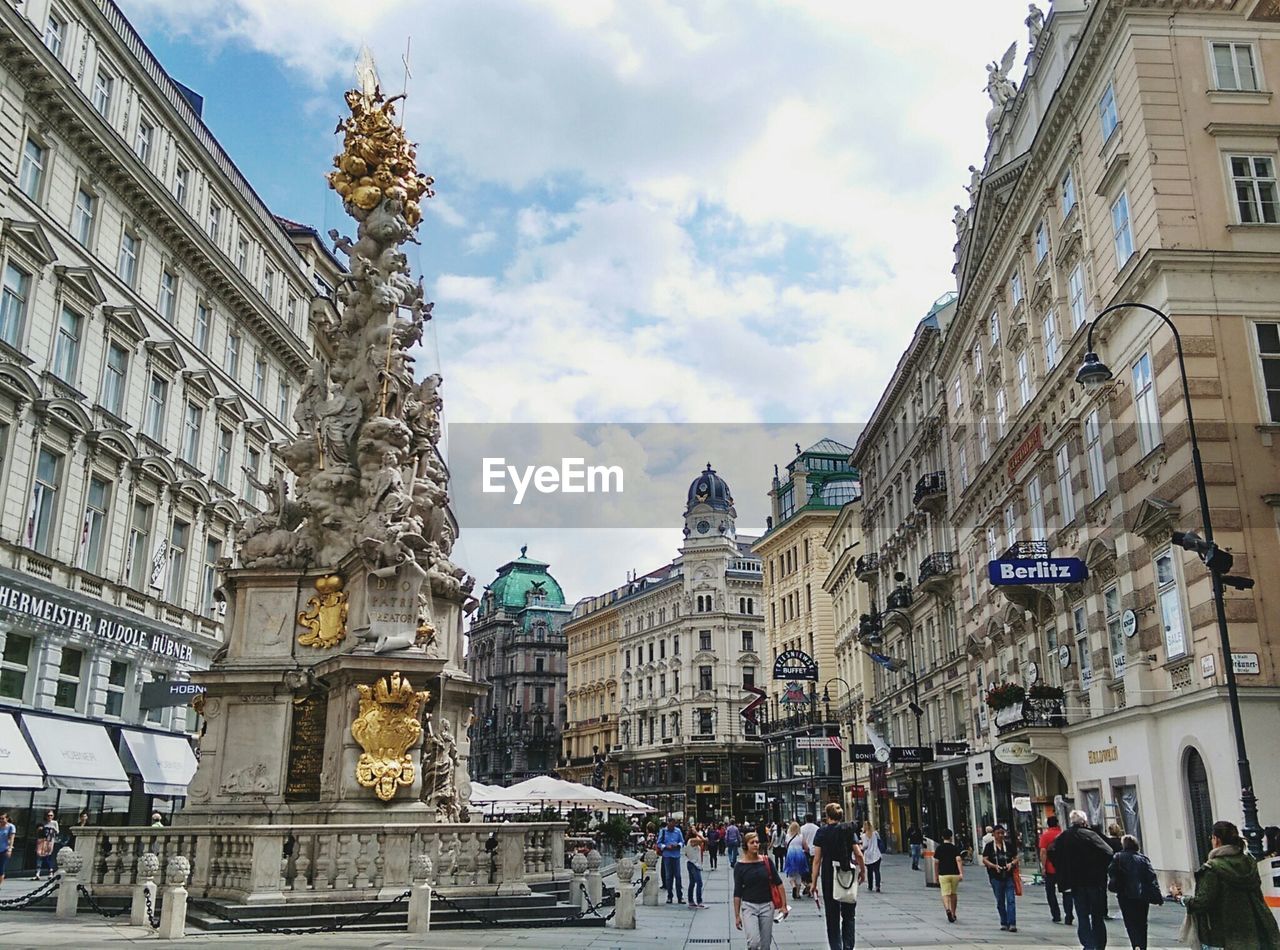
<point>76,754</point>
<point>18,765</point>
<point>165,762</point>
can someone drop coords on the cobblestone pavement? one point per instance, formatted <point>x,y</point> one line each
<point>906,914</point>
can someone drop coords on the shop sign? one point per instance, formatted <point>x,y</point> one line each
<point>1013,571</point>
<point>819,742</point>
<point>951,748</point>
<point>1028,447</point>
<point>1129,623</point>
<point>31,602</point>
<point>760,799</point>
<point>795,665</point>
<point>1015,753</point>
<point>1246,663</point>
<point>910,754</point>
<point>862,752</point>
<point>793,695</point>
<point>168,693</point>
<point>708,789</point>
<point>802,769</point>
<point>1103,756</point>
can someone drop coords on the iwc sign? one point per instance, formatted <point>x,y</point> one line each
<point>795,665</point>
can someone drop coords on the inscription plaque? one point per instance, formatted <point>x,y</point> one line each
<point>392,606</point>
<point>306,749</point>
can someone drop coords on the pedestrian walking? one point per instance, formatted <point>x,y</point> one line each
<point>753,879</point>
<point>8,831</point>
<point>1000,859</point>
<point>46,838</point>
<point>987,838</point>
<point>1227,910</point>
<point>670,844</point>
<point>871,853</point>
<point>1080,861</point>
<point>795,865</point>
<point>732,841</point>
<point>693,861</point>
<point>808,831</point>
<point>915,841</point>
<point>714,837</point>
<point>1047,838</point>
<point>1133,880</point>
<point>836,852</point>
<point>950,873</point>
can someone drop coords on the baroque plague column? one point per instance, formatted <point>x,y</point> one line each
<point>342,691</point>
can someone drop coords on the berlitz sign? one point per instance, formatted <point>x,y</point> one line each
<point>30,602</point>
<point>1046,570</point>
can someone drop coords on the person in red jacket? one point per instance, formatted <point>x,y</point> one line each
<point>1047,838</point>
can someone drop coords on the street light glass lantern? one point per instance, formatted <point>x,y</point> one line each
<point>1093,372</point>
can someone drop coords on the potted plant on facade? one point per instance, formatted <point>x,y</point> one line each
<point>1004,695</point>
<point>1044,691</point>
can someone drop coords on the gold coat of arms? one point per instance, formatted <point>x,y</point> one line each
<point>387,727</point>
<point>326,615</point>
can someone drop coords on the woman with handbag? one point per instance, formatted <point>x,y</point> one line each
<point>757,893</point>
<point>838,863</point>
<point>795,856</point>
<point>46,836</point>
<point>1133,880</point>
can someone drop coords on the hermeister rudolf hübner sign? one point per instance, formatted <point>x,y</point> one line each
<point>50,610</point>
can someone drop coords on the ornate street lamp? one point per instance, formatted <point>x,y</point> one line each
<point>1092,374</point>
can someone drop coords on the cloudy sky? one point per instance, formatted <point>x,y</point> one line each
<point>721,212</point>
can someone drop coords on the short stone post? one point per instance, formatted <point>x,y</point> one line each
<point>420,894</point>
<point>69,866</point>
<point>173,911</point>
<point>651,879</point>
<point>595,883</point>
<point>148,868</point>
<point>577,893</point>
<point>625,916</point>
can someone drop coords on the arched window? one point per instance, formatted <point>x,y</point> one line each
<point>1201,805</point>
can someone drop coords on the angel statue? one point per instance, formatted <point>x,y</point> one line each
<point>999,87</point>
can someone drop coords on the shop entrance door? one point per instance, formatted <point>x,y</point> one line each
<point>1201,806</point>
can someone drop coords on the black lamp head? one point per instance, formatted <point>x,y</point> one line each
<point>1093,372</point>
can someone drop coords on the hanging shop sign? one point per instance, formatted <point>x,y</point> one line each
<point>910,754</point>
<point>795,665</point>
<point>951,748</point>
<point>793,695</point>
<point>1015,753</point>
<point>18,598</point>
<point>862,752</point>
<point>1129,623</point>
<point>168,693</point>
<point>1008,572</point>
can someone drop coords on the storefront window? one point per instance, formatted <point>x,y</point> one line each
<point>14,664</point>
<point>117,681</point>
<point>67,693</point>
<point>1127,806</point>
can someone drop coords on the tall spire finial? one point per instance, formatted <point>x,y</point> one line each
<point>366,73</point>
<point>523,549</point>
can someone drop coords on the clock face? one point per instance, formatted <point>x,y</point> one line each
<point>882,754</point>
<point>704,527</point>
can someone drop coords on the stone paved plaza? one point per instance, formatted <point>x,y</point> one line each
<point>906,914</point>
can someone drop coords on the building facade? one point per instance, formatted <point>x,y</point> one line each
<point>155,326</point>
<point>517,646</point>
<point>692,636</point>
<point>801,627</point>
<point>591,732</point>
<point>1135,164</point>
<point>909,565</point>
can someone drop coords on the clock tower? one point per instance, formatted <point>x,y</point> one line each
<point>709,514</point>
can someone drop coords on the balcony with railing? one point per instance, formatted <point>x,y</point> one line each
<point>931,491</point>
<point>937,569</point>
<point>899,598</point>
<point>864,568</point>
<point>1032,714</point>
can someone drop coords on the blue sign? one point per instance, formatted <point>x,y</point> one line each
<point>1044,570</point>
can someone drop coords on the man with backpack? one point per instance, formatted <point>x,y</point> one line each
<point>732,841</point>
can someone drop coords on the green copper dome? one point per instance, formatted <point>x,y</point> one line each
<point>520,578</point>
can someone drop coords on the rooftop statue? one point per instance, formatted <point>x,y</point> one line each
<point>999,87</point>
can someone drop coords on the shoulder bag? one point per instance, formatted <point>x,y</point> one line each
<point>775,890</point>
<point>844,884</point>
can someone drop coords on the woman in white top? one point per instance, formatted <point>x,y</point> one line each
<point>692,851</point>
<point>871,854</point>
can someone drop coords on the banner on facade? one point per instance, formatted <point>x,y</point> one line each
<point>795,665</point>
<point>1007,572</point>
<point>819,742</point>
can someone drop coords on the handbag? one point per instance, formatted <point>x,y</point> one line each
<point>44,848</point>
<point>1017,882</point>
<point>775,890</point>
<point>844,890</point>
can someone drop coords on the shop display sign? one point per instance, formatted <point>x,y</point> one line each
<point>951,748</point>
<point>1014,571</point>
<point>1015,753</point>
<point>795,665</point>
<point>168,693</point>
<point>910,754</point>
<point>17,598</point>
<point>1129,623</point>
<point>862,752</point>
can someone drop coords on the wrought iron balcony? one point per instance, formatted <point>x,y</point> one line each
<point>931,489</point>
<point>899,598</point>
<point>937,566</point>
<point>1035,714</point>
<point>865,566</point>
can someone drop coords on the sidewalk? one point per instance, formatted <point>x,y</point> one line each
<point>906,914</point>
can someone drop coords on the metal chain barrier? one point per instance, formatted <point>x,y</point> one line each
<point>44,890</point>
<point>98,908</point>
<point>506,923</point>
<point>364,918</point>
<point>153,916</point>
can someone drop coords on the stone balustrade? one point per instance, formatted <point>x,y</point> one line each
<point>281,862</point>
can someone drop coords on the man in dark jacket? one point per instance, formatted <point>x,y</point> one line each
<point>1080,860</point>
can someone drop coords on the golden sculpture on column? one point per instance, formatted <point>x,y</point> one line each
<point>326,614</point>
<point>387,727</point>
